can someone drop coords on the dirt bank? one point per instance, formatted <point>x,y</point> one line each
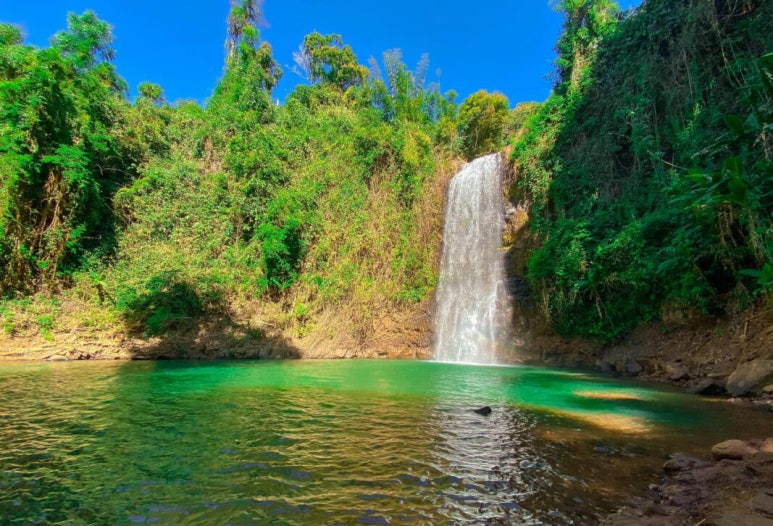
<point>699,355</point>
<point>245,333</point>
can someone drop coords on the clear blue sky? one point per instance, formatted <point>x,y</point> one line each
<point>497,45</point>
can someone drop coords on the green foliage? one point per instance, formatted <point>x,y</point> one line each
<point>482,118</point>
<point>151,92</point>
<point>519,116</point>
<point>163,301</point>
<point>325,58</point>
<point>62,152</point>
<point>86,42</point>
<point>403,95</point>
<point>161,213</point>
<point>586,22</point>
<point>650,169</point>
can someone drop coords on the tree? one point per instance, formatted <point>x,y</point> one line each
<point>61,158</point>
<point>401,95</point>
<point>482,118</point>
<point>243,19</point>
<point>87,40</point>
<point>151,92</point>
<point>324,58</point>
<point>246,55</point>
<point>586,22</point>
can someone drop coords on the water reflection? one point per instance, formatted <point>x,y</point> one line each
<point>332,443</point>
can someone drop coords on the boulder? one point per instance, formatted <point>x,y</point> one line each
<point>750,377</point>
<point>707,387</point>
<point>676,372</point>
<point>732,450</point>
<point>632,367</point>
<point>678,462</point>
<point>760,466</point>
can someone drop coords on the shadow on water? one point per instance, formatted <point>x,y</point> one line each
<point>170,318</point>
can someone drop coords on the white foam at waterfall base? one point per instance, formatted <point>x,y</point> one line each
<point>472,317</point>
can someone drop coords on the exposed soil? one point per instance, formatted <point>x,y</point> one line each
<point>401,334</point>
<point>687,355</point>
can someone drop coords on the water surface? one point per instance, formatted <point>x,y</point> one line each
<point>335,442</point>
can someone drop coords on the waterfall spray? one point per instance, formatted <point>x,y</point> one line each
<point>472,317</point>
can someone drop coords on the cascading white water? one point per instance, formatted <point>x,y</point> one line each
<point>472,315</point>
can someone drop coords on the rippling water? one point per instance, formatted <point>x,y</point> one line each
<point>335,442</point>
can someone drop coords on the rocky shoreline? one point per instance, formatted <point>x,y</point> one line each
<point>735,488</point>
<point>722,358</point>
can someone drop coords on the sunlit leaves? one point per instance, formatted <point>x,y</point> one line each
<point>60,109</point>
<point>482,118</point>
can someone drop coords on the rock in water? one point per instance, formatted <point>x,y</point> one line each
<point>485,410</point>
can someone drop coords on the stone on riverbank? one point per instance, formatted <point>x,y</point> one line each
<point>733,450</point>
<point>724,492</point>
<point>750,378</point>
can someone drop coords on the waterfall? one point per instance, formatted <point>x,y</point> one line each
<point>472,316</point>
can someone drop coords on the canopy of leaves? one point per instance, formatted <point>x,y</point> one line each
<point>325,58</point>
<point>63,156</point>
<point>482,119</point>
<point>651,170</point>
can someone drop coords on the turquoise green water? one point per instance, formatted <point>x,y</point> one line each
<point>335,442</point>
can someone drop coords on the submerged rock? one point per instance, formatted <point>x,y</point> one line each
<point>605,450</point>
<point>485,410</point>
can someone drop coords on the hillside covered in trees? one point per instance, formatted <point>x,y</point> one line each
<point>145,217</point>
<point>647,175</point>
<point>648,170</point>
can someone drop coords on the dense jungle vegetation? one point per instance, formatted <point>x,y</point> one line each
<point>148,214</point>
<point>649,168</point>
<point>648,174</point>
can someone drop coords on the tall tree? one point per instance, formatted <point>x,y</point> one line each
<point>585,23</point>
<point>246,54</point>
<point>325,58</point>
<point>482,118</point>
<point>245,16</point>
